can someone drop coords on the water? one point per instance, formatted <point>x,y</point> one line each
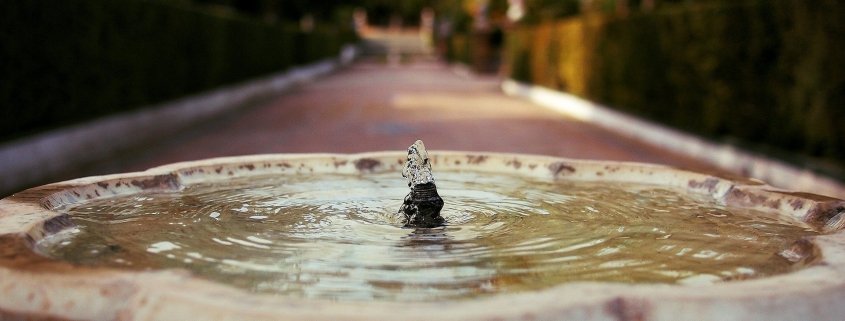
<point>340,238</point>
<point>417,169</point>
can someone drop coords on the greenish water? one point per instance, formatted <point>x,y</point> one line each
<point>338,237</point>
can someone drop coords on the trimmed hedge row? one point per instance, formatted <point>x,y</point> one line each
<point>73,60</point>
<point>764,73</point>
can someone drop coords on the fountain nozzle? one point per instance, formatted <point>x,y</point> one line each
<point>422,205</point>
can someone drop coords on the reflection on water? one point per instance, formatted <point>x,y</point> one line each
<point>339,237</point>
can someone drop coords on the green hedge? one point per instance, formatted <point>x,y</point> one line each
<point>766,74</point>
<point>73,60</point>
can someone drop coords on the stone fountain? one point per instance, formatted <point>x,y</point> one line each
<point>317,237</point>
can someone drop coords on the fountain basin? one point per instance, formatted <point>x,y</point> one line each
<point>35,285</point>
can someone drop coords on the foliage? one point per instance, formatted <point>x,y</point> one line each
<point>766,74</point>
<point>73,60</point>
<point>379,11</point>
<point>547,10</point>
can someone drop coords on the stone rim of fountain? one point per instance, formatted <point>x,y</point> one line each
<point>35,286</point>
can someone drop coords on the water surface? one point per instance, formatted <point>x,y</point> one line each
<point>340,238</point>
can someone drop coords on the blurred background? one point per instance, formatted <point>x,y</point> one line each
<point>764,76</point>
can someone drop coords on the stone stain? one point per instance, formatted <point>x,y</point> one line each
<point>797,204</point>
<point>476,159</point>
<point>559,168</point>
<point>158,181</point>
<point>285,165</point>
<point>708,184</point>
<point>738,196</point>
<point>626,310</point>
<point>366,164</point>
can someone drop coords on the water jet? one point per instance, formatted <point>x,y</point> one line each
<point>422,206</point>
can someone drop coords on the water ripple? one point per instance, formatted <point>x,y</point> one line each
<point>340,237</point>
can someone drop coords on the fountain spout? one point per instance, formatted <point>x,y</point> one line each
<point>422,205</point>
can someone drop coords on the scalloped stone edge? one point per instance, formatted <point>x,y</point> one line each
<point>32,286</point>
